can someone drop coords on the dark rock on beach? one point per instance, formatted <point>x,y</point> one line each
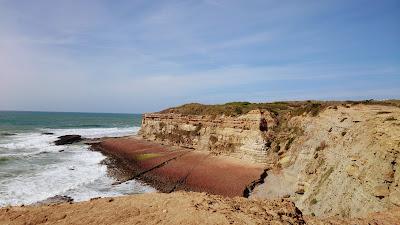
<point>68,139</point>
<point>57,199</point>
<point>47,133</point>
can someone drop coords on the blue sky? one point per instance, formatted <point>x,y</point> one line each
<point>140,56</point>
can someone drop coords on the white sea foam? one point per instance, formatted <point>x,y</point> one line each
<point>36,142</point>
<point>96,132</point>
<point>75,172</point>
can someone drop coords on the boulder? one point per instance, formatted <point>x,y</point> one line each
<point>55,200</point>
<point>68,139</point>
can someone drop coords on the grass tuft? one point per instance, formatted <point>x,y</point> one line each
<point>145,156</point>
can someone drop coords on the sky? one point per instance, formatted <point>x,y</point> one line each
<point>143,56</point>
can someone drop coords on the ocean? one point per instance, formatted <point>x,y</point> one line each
<point>33,169</point>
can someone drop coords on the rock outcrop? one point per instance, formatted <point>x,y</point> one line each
<point>241,137</point>
<point>346,162</point>
<point>68,139</point>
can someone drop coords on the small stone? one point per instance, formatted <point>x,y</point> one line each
<point>352,170</point>
<point>389,177</point>
<point>285,161</point>
<point>164,211</point>
<point>300,191</point>
<point>381,191</point>
<point>394,197</point>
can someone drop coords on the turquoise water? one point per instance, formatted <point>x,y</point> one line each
<point>32,168</point>
<point>11,121</point>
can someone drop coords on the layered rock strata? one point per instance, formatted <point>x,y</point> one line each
<point>241,137</point>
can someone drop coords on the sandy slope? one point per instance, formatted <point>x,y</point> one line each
<point>158,208</point>
<point>180,208</point>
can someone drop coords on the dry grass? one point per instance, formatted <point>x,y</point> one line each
<point>293,107</point>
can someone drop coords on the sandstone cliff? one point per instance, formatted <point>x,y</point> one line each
<point>345,163</point>
<point>241,137</point>
<point>330,158</point>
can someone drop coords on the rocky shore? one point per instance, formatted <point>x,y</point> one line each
<point>171,169</point>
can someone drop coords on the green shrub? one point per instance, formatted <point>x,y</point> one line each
<point>295,108</point>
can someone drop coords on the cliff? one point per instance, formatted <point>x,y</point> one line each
<point>330,158</point>
<point>241,137</point>
<point>346,162</point>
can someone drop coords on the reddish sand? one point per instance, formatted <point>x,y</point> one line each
<point>170,168</point>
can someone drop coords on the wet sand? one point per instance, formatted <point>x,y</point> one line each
<point>171,169</point>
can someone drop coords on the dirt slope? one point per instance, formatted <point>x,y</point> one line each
<point>158,208</point>
<point>180,208</point>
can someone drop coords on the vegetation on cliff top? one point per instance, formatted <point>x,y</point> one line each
<point>292,107</point>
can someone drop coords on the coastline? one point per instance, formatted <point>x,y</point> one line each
<point>170,169</point>
<point>204,183</point>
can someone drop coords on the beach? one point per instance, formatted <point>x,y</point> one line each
<point>169,168</point>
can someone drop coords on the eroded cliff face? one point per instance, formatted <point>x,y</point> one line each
<point>346,162</point>
<point>341,161</point>
<point>241,137</point>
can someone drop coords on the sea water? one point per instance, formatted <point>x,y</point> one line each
<point>32,168</point>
